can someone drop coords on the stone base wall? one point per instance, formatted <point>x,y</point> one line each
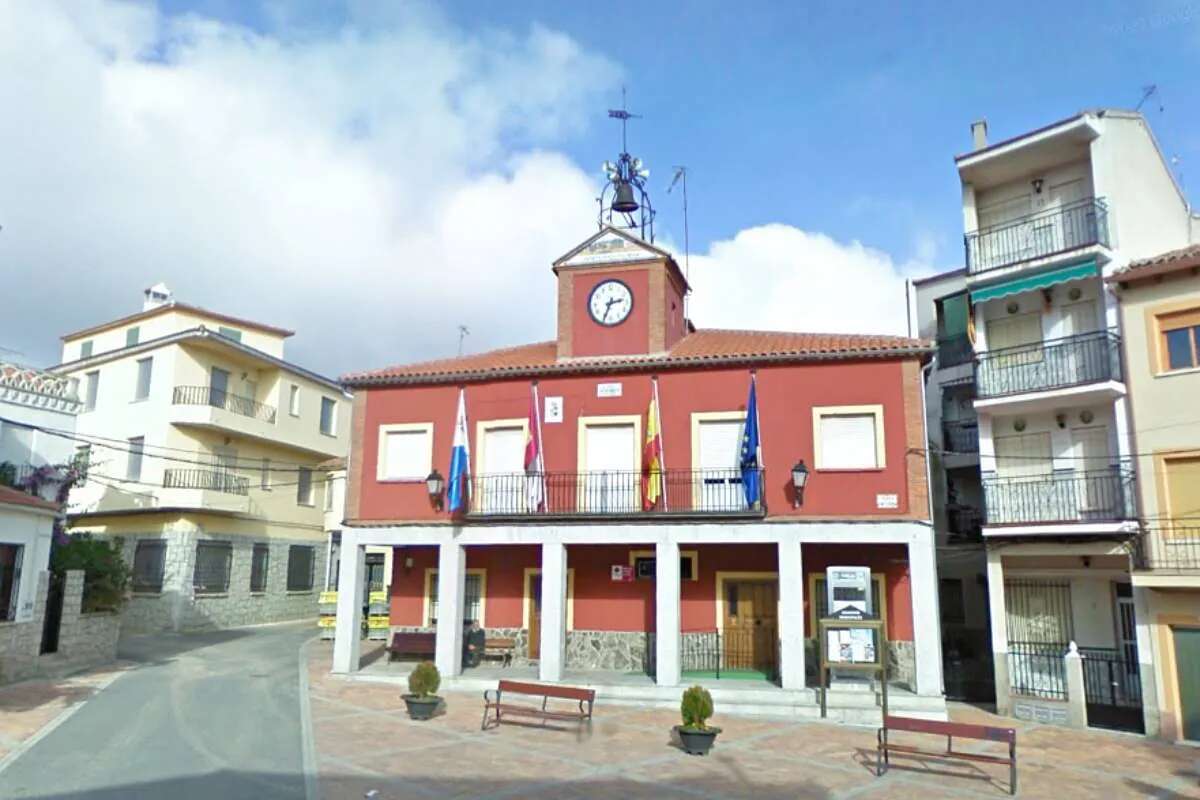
<point>902,663</point>
<point>178,608</point>
<point>84,640</point>
<point>620,651</point>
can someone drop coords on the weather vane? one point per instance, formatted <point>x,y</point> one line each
<point>624,202</point>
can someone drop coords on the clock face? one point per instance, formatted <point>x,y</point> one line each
<point>610,302</point>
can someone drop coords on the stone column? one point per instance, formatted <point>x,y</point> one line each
<point>1076,694</point>
<point>666,590</point>
<point>791,615</point>
<point>554,612</point>
<point>999,620</point>
<point>927,623</point>
<point>347,634</point>
<point>452,580</point>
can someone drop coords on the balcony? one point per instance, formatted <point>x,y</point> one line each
<point>964,524</point>
<point>1054,364</point>
<point>961,436</point>
<point>611,495</point>
<point>1104,495</point>
<point>1171,547</point>
<point>954,350</point>
<point>213,480</point>
<point>1035,236</point>
<point>218,398</point>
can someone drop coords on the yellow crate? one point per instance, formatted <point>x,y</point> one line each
<point>327,597</point>
<point>378,622</point>
<point>377,598</point>
<point>326,622</point>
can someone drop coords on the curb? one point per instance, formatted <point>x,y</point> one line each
<point>308,750</point>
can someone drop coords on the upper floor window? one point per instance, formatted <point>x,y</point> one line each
<point>328,416</point>
<point>328,494</point>
<point>304,486</point>
<point>405,451</point>
<point>1180,336</point>
<point>132,336</point>
<point>85,349</point>
<point>142,389</point>
<point>230,333</point>
<point>848,437</point>
<point>91,390</point>
<point>133,467</point>
<point>294,400</point>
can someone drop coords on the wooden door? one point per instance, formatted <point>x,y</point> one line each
<point>535,614</point>
<point>1187,668</point>
<point>750,624</point>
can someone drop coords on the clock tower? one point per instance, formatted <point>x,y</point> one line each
<point>618,296</point>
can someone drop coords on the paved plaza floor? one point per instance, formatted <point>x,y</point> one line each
<point>365,743</point>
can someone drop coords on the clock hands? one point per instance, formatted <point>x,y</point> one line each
<point>608,306</point>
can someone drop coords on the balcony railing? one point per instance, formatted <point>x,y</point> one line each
<point>1103,495</point>
<point>1054,364</point>
<point>1170,547</point>
<point>710,492</point>
<point>965,523</point>
<point>219,398</point>
<point>1036,235</point>
<point>961,436</point>
<point>954,350</point>
<point>211,479</point>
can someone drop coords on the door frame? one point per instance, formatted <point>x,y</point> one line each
<point>527,599</point>
<point>1167,674</point>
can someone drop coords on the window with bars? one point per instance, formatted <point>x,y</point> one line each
<point>260,561</point>
<point>11,556</point>
<point>211,575</point>
<point>149,560</point>
<point>301,562</point>
<point>472,598</point>
<point>1038,611</point>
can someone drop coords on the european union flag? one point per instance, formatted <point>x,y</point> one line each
<point>751,476</point>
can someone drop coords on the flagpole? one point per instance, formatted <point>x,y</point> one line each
<point>662,445</point>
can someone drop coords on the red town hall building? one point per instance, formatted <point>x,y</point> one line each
<point>574,562</point>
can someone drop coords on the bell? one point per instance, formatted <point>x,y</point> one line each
<point>623,201</point>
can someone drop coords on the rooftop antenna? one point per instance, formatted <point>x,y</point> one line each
<point>625,193</point>
<point>680,178</point>
<point>1148,91</point>
<point>462,334</point>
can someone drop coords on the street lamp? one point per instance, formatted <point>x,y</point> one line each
<point>799,479</point>
<point>435,482</point>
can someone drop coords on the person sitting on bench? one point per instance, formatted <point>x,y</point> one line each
<point>474,642</point>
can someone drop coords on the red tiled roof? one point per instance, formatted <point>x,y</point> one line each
<point>702,347</point>
<point>16,497</point>
<point>1161,264</point>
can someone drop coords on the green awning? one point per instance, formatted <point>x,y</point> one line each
<point>1027,283</point>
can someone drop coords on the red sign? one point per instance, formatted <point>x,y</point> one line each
<point>622,574</point>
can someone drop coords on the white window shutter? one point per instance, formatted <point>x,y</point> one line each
<point>848,441</point>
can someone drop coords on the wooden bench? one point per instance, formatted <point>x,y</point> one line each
<point>412,644</point>
<point>502,649</point>
<point>950,730</point>
<point>502,709</point>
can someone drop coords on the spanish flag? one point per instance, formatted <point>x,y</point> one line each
<point>652,456</point>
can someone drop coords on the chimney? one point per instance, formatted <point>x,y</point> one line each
<point>979,133</point>
<point>157,295</point>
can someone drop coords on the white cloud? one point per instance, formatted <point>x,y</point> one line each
<point>778,277</point>
<point>369,189</point>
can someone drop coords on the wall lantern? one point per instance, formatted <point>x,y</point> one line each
<point>799,479</point>
<point>436,483</point>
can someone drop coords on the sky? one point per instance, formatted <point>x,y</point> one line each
<point>374,174</point>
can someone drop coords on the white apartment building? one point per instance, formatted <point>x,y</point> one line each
<point>204,448</point>
<point>1047,215</point>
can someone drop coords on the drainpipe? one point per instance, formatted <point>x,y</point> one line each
<point>926,373</point>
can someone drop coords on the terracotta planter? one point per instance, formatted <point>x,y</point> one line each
<point>697,742</point>
<point>421,708</point>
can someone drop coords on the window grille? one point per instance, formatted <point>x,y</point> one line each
<point>211,575</point>
<point>149,559</point>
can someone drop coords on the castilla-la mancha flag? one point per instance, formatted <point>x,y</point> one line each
<point>652,457</point>
<point>535,468</point>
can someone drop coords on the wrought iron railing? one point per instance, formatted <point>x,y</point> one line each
<point>1111,676</point>
<point>1172,546</point>
<point>965,523</point>
<point>216,480</point>
<point>954,350</point>
<point>1037,669</point>
<point>1101,495</point>
<point>708,492</point>
<point>961,436</point>
<point>1076,225</point>
<point>723,653</point>
<point>219,398</point>
<point>1054,364</point>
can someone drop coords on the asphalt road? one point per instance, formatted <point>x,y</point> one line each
<point>212,715</point>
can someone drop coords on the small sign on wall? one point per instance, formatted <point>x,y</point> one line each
<point>887,501</point>
<point>554,410</point>
<point>622,573</point>
<point>608,390</point>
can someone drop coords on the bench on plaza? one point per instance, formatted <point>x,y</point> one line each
<point>418,644</point>
<point>501,706</point>
<point>950,730</point>
<point>500,648</point>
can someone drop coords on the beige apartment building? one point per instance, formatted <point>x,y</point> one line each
<point>204,448</point>
<point>1160,309</point>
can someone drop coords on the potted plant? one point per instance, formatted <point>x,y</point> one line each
<point>423,683</point>
<point>696,735</point>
